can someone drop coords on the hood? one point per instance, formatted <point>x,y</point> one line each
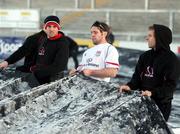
<point>163,37</point>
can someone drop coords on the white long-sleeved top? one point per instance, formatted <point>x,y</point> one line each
<point>98,57</point>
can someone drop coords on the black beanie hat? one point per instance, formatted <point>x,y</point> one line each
<point>52,18</point>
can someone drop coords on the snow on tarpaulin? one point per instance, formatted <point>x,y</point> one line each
<point>11,83</point>
<point>79,105</point>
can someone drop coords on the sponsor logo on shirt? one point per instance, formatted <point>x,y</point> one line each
<point>89,60</point>
<point>91,64</point>
<point>98,53</point>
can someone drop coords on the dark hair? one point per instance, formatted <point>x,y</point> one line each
<point>103,27</point>
<point>110,38</point>
<point>151,27</point>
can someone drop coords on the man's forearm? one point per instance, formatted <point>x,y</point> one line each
<point>102,73</point>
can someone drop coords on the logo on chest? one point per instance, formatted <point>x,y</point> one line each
<point>98,53</point>
<point>149,72</point>
<point>41,51</point>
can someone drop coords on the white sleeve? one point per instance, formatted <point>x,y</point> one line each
<point>112,58</point>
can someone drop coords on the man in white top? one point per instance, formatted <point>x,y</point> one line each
<point>101,61</point>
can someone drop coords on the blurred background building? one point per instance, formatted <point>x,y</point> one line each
<point>129,19</point>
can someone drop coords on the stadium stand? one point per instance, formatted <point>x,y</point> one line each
<point>129,19</point>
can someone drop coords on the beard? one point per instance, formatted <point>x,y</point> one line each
<point>95,42</point>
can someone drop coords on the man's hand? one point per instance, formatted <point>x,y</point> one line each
<point>4,64</point>
<point>72,72</point>
<point>87,72</point>
<point>124,88</point>
<point>146,93</point>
